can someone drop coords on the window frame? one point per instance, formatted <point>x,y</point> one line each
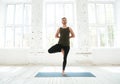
<point>97,44</point>
<point>23,25</point>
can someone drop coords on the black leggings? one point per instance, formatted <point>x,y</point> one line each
<point>57,48</point>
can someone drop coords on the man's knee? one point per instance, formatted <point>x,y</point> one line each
<point>49,51</point>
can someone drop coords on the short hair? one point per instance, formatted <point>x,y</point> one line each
<point>64,18</point>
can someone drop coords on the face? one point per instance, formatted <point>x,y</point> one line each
<point>64,21</point>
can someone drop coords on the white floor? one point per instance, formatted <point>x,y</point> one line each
<point>25,75</point>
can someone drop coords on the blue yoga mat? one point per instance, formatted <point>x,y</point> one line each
<point>67,74</point>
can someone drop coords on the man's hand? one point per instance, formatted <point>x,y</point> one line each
<point>72,33</point>
<point>57,33</point>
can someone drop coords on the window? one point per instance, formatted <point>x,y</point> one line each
<point>54,12</point>
<point>18,26</point>
<point>101,23</point>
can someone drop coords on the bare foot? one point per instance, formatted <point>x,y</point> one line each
<point>63,72</point>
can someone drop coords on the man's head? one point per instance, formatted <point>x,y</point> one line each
<point>64,20</point>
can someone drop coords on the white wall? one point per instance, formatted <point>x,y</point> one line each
<point>117,22</point>
<point>2,21</point>
<point>99,56</point>
<point>37,24</point>
<point>2,13</point>
<point>106,56</point>
<point>82,23</point>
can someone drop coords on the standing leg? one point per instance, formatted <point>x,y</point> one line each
<point>66,50</point>
<point>62,50</point>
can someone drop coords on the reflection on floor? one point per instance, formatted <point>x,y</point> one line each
<point>25,75</point>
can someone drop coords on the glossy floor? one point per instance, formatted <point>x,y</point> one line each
<point>26,75</point>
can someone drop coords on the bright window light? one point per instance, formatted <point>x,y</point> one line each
<point>18,26</point>
<point>101,23</point>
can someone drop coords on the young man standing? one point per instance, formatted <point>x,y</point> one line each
<point>64,34</point>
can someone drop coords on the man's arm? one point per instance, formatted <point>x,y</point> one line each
<point>57,33</point>
<point>72,33</point>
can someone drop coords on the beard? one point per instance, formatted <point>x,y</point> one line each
<point>64,23</point>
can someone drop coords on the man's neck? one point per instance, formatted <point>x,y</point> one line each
<point>64,26</point>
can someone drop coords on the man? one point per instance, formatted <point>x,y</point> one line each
<point>64,33</point>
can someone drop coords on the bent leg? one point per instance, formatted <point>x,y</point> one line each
<point>55,48</point>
